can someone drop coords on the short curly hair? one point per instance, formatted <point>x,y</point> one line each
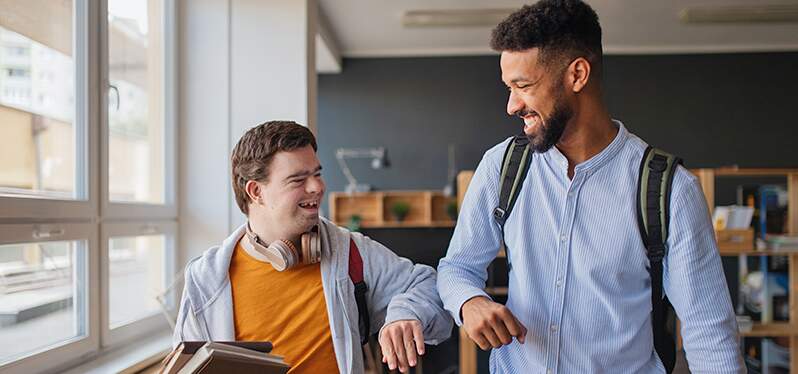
<point>559,28</point>
<point>253,154</point>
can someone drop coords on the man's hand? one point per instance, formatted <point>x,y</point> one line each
<point>490,324</point>
<point>402,342</point>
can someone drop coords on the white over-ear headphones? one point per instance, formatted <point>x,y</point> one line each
<point>282,254</point>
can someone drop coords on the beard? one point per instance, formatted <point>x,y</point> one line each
<point>551,130</point>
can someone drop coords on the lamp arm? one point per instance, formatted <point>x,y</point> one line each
<point>345,169</point>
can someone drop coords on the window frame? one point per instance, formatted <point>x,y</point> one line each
<point>84,205</point>
<point>132,210</point>
<point>53,356</point>
<point>90,216</point>
<point>130,331</point>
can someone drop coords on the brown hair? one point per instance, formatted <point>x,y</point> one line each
<point>253,153</point>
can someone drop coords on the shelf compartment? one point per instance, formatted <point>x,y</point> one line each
<point>770,329</point>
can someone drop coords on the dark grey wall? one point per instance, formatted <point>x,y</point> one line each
<point>712,110</point>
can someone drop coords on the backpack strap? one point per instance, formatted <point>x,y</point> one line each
<point>356,275</point>
<point>657,169</point>
<point>515,165</point>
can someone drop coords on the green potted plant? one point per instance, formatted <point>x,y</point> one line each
<point>354,222</point>
<point>399,210</point>
<point>451,210</point>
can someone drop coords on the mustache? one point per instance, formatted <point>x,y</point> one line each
<point>523,113</point>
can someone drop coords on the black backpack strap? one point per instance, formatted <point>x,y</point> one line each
<point>515,165</point>
<point>356,275</point>
<point>653,214</point>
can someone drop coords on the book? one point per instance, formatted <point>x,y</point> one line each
<point>186,349</point>
<point>215,357</point>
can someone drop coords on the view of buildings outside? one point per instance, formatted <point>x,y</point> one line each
<point>40,283</point>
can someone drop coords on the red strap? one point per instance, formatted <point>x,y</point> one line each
<point>355,263</point>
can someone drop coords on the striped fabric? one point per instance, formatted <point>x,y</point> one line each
<point>578,280</point>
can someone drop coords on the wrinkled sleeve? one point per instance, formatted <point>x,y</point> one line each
<point>476,241</point>
<point>695,284</point>
<point>401,290</point>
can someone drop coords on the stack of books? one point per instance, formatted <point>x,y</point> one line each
<point>199,357</point>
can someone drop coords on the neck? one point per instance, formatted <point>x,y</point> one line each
<point>269,232</point>
<point>587,134</point>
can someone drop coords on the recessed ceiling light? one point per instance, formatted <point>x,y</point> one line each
<point>454,17</point>
<point>761,13</point>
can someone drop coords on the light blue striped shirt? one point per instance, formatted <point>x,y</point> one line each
<point>579,280</point>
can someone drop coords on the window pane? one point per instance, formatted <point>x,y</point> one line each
<point>41,294</point>
<point>135,102</point>
<point>37,100</point>
<point>137,276</point>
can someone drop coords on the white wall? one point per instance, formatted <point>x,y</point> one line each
<point>241,63</point>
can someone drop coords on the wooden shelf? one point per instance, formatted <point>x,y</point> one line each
<point>749,172</point>
<point>427,209</point>
<point>771,329</point>
<point>404,225</point>
<point>754,252</point>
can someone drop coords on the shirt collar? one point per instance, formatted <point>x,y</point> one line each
<point>556,157</point>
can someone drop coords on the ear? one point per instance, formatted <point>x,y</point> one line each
<point>578,74</point>
<point>253,190</point>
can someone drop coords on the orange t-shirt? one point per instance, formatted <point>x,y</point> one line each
<point>286,308</point>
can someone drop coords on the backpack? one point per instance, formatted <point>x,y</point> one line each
<point>653,201</point>
<point>356,275</point>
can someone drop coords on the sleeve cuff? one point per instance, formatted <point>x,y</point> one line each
<point>459,300</point>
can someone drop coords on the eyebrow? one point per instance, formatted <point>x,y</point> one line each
<point>303,173</point>
<point>524,79</point>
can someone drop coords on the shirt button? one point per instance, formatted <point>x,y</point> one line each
<point>548,371</point>
<point>553,328</point>
<point>559,283</point>
<point>563,237</point>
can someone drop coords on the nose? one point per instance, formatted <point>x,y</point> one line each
<point>315,185</point>
<point>514,104</point>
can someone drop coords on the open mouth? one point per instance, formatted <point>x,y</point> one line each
<point>313,204</point>
<point>531,121</point>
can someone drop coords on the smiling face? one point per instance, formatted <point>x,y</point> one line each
<point>537,96</point>
<point>288,201</point>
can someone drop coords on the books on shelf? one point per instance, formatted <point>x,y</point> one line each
<point>781,242</point>
<point>223,357</point>
<point>732,217</point>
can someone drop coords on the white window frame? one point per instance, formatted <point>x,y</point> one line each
<point>119,210</point>
<point>70,350</point>
<point>122,334</point>
<point>84,47</point>
<point>90,216</point>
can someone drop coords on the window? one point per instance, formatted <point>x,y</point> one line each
<point>40,285</point>
<point>87,165</point>
<point>38,149</point>
<point>135,113</point>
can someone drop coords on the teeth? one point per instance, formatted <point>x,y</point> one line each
<point>311,204</point>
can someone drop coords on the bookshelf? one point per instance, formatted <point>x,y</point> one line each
<point>708,177</point>
<point>427,209</point>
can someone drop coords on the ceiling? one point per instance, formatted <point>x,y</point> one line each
<point>373,28</point>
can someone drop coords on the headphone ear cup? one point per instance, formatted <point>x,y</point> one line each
<point>315,241</point>
<point>280,255</point>
<point>306,259</point>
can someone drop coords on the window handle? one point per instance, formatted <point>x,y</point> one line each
<point>39,233</point>
<point>111,87</point>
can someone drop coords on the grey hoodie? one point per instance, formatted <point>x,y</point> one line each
<point>397,290</point>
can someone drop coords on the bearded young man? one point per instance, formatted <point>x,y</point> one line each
<point>272,281</point>
<point>579,298</point>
